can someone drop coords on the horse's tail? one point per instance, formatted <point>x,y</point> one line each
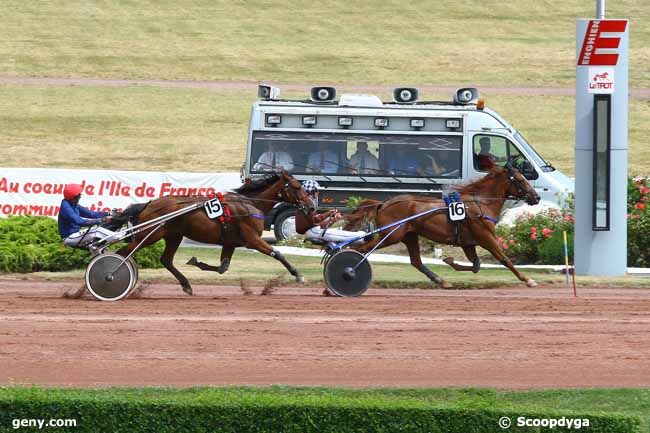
<point>129,214</point>
<point>364,213</point>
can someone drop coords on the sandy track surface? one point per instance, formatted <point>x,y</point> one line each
<point>640,93</point>
<point>508,338</point>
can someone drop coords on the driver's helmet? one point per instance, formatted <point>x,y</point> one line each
<point>71,190</point>
<point>310,186</point>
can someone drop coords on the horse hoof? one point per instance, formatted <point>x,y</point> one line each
<point>192,262</point>
<point>448,260</point>
<point>188,290</point>
<point>531,283</point>
<point>445,285</point>
<point>326,292</point>
<point>300,279</point>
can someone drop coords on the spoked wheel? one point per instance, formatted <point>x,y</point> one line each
<point>347,273</point>
<point>108,279</point>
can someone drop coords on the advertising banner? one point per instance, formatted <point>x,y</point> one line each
<point>39,191</point>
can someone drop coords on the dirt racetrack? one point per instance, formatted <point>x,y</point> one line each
<point>507,338</point>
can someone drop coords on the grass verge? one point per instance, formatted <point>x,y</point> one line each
<point>255,268</point>
<point>287,409</point>
<point>489,42</point>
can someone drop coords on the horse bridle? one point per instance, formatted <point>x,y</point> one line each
<point>302,207</point>
<point>522,191</point>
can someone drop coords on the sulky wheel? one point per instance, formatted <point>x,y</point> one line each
<point>347,273</point>
<point>108,279</point>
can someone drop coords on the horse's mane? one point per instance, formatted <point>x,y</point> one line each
<point>258,184</point>
<point>479,185</point>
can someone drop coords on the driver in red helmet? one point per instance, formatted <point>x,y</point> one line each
<point>73,216</point>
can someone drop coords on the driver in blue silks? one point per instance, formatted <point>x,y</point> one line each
<point>73,216</point>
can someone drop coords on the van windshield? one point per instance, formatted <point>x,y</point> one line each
<point>332,153</point>
<point>536,157</point>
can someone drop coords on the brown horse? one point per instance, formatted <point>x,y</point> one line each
<point>483,198</point>
<point>247,206</point>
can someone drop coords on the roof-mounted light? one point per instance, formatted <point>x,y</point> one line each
<point>345,122</point>
<point>381,122</point>
<point>405,95</point>
<point>265,91</point>
<point>480,104</point>
<point>468,95</point>
<point>323,94</point>
<point>273,119</point>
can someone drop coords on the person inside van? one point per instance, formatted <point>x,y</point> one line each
<point>484,160</point>
<point>324,160</point>
<point>404,163</point>
<point>362,161</point>
<point>274,158</point>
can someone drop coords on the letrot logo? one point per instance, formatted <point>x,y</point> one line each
<point>598,49</point>
<point>601,80</point>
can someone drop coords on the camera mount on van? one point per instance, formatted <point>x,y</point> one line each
<point>405,95</point>
<point>267,92</point>
<point>467,95</point>
<point>323,94</point>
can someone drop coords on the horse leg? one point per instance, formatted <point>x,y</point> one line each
<point>412,243</point>
<point>493,247</point>
<point>226,255</point>
<point>470,252</point>
<point>254,241</point>
<point>172,241</point>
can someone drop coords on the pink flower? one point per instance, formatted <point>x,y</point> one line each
<point>627,216</point>
<point>533,236</point>
<point>635,216</point>
<point>547,232</point>
<point>505,246</point>
<point>499,239</point>
<point>512,241</point>
<point>644,190</point>
<point>640,206</point>
<point>567,217</point>
<point>533,229</point>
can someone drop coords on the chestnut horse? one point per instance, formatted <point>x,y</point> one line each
<point>483,198</point>
<point>247,206</point>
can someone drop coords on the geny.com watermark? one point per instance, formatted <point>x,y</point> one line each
<point>522,421</point>
<point>43,423</point>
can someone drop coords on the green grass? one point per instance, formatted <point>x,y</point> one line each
<point>200,130</point>
<point>527,42</point>
<point>629,402</point>
<point>258,269</point>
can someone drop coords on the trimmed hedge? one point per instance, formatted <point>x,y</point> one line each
<point>31,244</point>
<point>254,410</point>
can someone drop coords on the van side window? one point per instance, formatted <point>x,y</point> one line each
<point>491,150</point>
<point>380,155</point>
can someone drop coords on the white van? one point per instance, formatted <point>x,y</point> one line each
<point>359,146</point>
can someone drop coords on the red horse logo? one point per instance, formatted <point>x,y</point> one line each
<point>602,77</point>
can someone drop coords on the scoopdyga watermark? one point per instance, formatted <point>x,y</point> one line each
<point>522,421</point>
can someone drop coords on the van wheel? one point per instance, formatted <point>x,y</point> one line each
<point>284,225</point>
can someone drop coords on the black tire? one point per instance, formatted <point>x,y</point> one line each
<point>284,226</point>
<point>109,277</point>
<point>347,273</point>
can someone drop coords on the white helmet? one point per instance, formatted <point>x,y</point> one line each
<point>310,186</point>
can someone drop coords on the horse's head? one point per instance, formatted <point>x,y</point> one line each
<point>519,187</point>
<point>292,192</point>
